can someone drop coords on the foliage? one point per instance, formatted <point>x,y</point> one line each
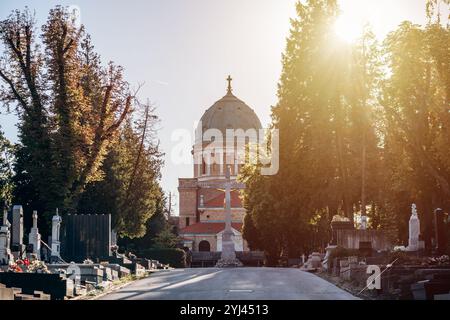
<point>325,117</point>
<point>69,105</point>
<point>166,239</point>
<point>130,188</point>
<point>6,170</point>
<point>364,130</point>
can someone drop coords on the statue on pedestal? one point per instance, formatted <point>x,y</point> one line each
<point>56,244</point>
<point>414,230</point>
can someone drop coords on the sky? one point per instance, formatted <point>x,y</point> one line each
<point>181,51</point>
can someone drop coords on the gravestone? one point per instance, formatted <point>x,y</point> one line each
<point>363,223</point>
<point>17,232</point>
<point>440,219</point>
<point>5,238</point>
<point>414,230</point>
<point>337,225</point>
<point>34,237</point>
<point>56,244</point>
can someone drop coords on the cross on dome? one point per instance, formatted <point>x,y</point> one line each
<point>229,79</point>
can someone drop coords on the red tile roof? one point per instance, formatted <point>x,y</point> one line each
<point>208,228</point>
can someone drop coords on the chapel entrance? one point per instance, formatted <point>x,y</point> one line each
<point>204,246</point>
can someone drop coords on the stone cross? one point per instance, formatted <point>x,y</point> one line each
<point>34,237</point>
<point>414,230</point>
<point>56,224</point>
<point>229,79</point>
<point>228,256</point>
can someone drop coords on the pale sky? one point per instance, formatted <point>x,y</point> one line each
<point>182,50</point>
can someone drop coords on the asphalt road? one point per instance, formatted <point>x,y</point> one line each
<point>230,284</point>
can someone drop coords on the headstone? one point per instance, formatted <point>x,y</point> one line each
<point>326,261</point>
<point>228,256</point>
<point>5,238</point>
<point>440,219</point>
<point>414,230</point>
<point>56,244</point>
<point>34,237</point>
<point>363,222</point>
<point>17,231</point>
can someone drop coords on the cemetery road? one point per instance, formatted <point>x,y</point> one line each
<point>231,284</point>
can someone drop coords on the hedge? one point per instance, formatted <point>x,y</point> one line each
<point>174,257</point>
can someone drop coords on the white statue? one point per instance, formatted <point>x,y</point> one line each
<point>363,222</point>
<point>202,201</point>
<point>56,224</point>
<point>414,230</point>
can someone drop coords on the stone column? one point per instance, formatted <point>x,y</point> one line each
<point>228,256</point>
<point>34,237</point>
<point>56,224</point>
<point>5,238</point>
<point>17,231</point>
<point>414,230</point>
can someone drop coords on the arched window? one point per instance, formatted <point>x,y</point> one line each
<point>204,246</point>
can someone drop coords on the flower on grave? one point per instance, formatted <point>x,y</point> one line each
<point>15,268</point>
<point>38,267</point>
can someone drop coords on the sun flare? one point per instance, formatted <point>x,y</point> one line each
<point>347,28</point>
<point>355,14</point>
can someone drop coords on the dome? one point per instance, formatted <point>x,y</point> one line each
<point>229,113</point>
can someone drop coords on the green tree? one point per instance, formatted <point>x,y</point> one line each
<point>6,170</point>
<point>130,189</point>
<point>329,146</point>
<point>415,102</point>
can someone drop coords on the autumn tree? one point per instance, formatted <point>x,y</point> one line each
<point>130,188</point>
<point>70,107</point>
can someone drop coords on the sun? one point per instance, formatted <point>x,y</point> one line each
<point>348,28</point>
<point>354,15</point>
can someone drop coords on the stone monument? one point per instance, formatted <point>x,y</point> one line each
<point>228,255</point>
<point>363,223</point>
<point>56,244</point>
<point>5,237</point>
<point>17,245</point>
<point>34,238</point>
<point>414,230</point>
